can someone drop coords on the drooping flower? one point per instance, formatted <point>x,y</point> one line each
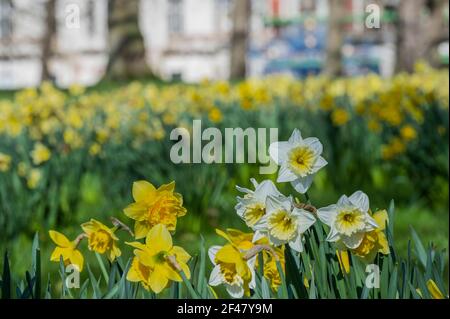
<point>40,154</point>
<point>232,270</point>
<point>299,160</point>
<point>374,241</point>
<point>154,206</point>
<point>349,219</point>
<point>252,207</point>
<point>284,223</point>
<point>157,261</point>
<point>67,249</point>
<point>101,239</point>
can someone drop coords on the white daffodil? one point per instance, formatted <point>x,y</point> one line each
<point>349,219</point>
<point>284,223</point>
<point>252,206</point>
<point>232,270</point>
<point>299,160</point>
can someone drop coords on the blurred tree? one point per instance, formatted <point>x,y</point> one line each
<point>48,40</point>
<point>127,52</point>
<point>241,14</point>
<point>333,62</point>
<point>420,28</point>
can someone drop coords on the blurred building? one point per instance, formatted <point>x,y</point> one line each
<point>185,39</point>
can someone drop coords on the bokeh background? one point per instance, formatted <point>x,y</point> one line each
<point>90,90</point>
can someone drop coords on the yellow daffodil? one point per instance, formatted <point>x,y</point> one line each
<point>344,260</point>
<point>101,239</point>
<point>434,290</point>
<point>154,206</point>
<point>67,249</point>
<point>33,178</point>
<point>157,261</point>
<point>232,270</point>
<point>374,241</point>
<point>5,162</point>
<point>40,154</point>
<point>349,220</point>
<point>299,159</point>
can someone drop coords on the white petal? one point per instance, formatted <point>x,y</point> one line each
<point>285,174</point>
<point>302,184</point>
<point>372,223</point>
<point>297,244</point>
<point>257,236</point>
<point>305,220</point>
<point>344,201</point>
<point>273,204</point>
<point>212,251</point>
<point>296,137</point>
<point>265,189</point>
<point>315,144</point>
<point>327,214</point>
<point>360,200</point>
<point>235,291</point>
<point>276,242</point>
<point>215,278</point>
<point>333,235</point>
<point>278,151</point>
<point>261,224</point>
<point>353,241</point>
<point>254,182</point>
<point>320,162</point>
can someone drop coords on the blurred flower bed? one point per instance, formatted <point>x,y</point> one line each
<point>65,155</point>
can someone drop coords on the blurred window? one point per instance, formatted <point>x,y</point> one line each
<point>6,23</point>
<point>175,16</point>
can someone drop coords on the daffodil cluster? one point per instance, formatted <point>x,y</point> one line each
<point>280,221</point>
<point>156,261</point>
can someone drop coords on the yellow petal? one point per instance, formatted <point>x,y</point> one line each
<point>89,227</point>
<point>133,273</point>
<point>136,211</point>
<point>159,239</point>
<point>381,217</point>
<point>137,245</point>
<point>142,190</point>
<point>228,254</point>
<point>77,259</point>
<point>344,262</point>
<point>434,290</point>
<point>383,243</point>
<point>181,255</point>
<point>172,274</point>
<point>186,270</point>
<point>141,229</point>
<point>59,239</point>
<point>145,258</point>
<point>158,279</point>
<point>58,252</point>
<point>167,187</point>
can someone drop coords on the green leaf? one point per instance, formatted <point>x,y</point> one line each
<point>6,278</point>
<point>420,250</point>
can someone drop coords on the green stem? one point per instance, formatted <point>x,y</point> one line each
<point>102,267</point>
<point>191,290</point>
<point>283,281</point>
<point>308,201</point>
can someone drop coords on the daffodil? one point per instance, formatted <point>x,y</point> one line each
<point>284,223</point>
<point>154,206</point>
<point>270,259</point>
<point>252,207</point>
<point>40,154</point>
<point>349,220</point>
<point>232,270</point>
<point>299,160</point>
<point>67,249</point>
<point>101,239</point>
<point>5,162</point>
<point>374,241</point>
<point>157,261</point>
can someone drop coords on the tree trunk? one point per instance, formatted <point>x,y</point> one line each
<point>239,39</point>
<point>48,40</point>
<point>127,53</point>
<point>333,63</point>
<point>408,34</point>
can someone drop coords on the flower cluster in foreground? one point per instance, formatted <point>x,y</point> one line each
<point>279,228</point>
